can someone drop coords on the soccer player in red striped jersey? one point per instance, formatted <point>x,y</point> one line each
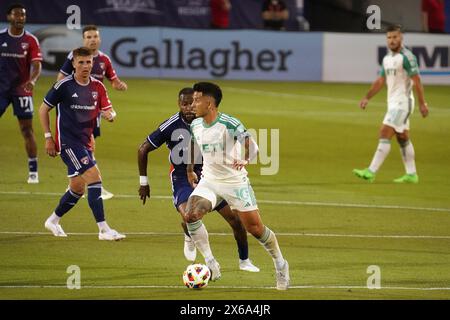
<point>20,67</point>
<point>79,99</point>
<point>102,68</point>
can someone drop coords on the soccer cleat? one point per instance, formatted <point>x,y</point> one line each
<point>111,235</point>
<point>365,174</point>
<point>408,178</point>
<point>283,277</point>
<point>214,267</point>
<point>33,178</point>
<point>247,265</point>
<point>106,194</point>
<point>55,228</point>
<point>190,251</point>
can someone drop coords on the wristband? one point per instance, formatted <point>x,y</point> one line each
<point>47,135</point>
<point>143,180</point>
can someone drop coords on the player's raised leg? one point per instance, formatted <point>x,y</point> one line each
<point>197,207</point>
<point>254,225</point>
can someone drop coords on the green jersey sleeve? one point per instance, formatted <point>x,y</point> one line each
<point>410,64</point>
<point>382,72</point>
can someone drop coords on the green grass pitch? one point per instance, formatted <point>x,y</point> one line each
<point>330,225</point>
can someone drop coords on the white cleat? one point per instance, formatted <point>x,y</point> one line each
<point>106,194</point>
<point>33,178</point>
<point>214,267</point>
<point>111,235</point>
<point>190,251</point>
<point>283,277</point>
<point>55,228</point>
<point>247,265</point>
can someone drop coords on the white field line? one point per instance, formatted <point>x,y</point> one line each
<point>289,234</point>
<point>283,202</point>
<point>326,287</point>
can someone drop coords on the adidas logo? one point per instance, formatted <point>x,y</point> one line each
<point>4,44</point>
<point>75,95</point>
<point>180,137</point>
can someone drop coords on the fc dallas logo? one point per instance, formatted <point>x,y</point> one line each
<point>95,95</point>
<point>24,45</point>
<point>84,160</point>
<point>102,65</point>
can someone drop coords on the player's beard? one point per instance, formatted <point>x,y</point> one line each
<point>189,117</point>
<point>396,48</point>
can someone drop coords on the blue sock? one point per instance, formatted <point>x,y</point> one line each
<point>67,202</point>
<point>243,250</point>
<point>95,201</point>
<point>32,165</point>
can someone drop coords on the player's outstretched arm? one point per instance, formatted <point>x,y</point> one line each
<point>423,107</point>
<point>144,186</point>
<point>50,146</point>
<point>374,89</point>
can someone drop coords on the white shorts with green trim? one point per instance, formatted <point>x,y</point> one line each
<point>239,196</point>
<point>398,115</point>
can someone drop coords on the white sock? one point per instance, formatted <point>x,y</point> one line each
<point>408,157</point>
<point>103,226</point>
<point>199,235</point>
<point>269,241</point>
<point>54,218</point>
<point>384,146</point>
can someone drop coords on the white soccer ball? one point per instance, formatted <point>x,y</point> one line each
<point>196,276</point>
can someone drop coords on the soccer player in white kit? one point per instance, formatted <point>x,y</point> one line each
<point>219,137</point>
<point>400,72</point>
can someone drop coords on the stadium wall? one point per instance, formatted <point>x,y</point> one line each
<point>156,52</point>
<point>357,57</point>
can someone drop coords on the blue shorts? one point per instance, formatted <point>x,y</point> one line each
<point>77,160</point>
<point>22,105</point>
<point>182,190</point>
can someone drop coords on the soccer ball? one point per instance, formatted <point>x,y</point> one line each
<point>196,276</point>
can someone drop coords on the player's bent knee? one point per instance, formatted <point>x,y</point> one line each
<point>255,230</point>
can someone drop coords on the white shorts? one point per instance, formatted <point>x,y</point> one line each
<point>239,196</point>
<point>398,117</point>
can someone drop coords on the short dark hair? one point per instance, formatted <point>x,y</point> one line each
<point>15,6</point>
<point>209,89</point>
<point>90,27</point>
<point>81,52</point>
<point>184,91</point>
<point>394,27</point>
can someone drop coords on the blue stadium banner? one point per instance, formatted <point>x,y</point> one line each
<point>181,53</point>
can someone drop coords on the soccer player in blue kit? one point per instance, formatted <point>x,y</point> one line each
<point>102,68</point>
<point>175,133</point>
<point>20,67</point>
<point>78,98</point>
